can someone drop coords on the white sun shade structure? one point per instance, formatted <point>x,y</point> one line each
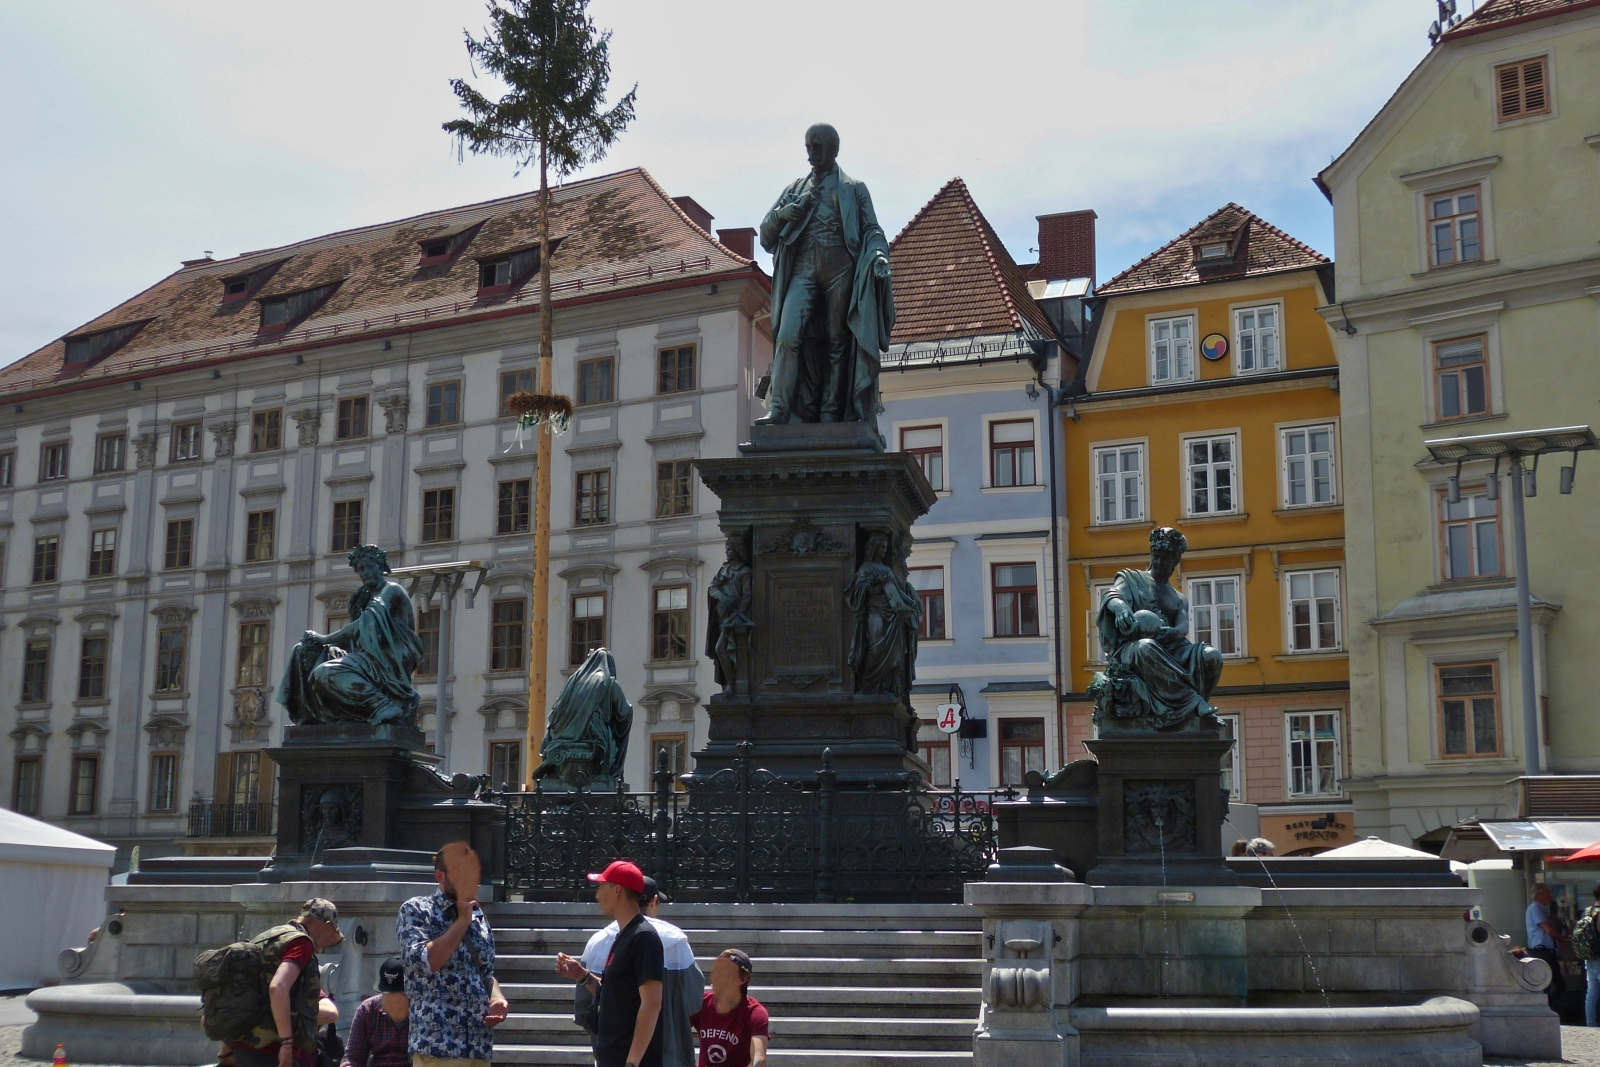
<point>54,884</point>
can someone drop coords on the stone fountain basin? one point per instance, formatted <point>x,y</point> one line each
<point>1434,1033</point>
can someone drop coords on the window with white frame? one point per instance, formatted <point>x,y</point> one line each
<point>1021,749</point>
<point>929,584</point>
<point>1097,596</point>
<point>1119,483</point>
<point>1209,462</point>
<point>927,444</point>
<point>1314,624</point>
<point>1461,377</point>
<point>1454,235</point>
<point>1172,349</point>
<point>1469,710</point>
<point>1233,762</point>
<point>1257,329</point>
<point>1308,466</point>
<point>1313,757</point>
<point>1215,614</point>
<point>1011,453</point>
<point>1469,536</point>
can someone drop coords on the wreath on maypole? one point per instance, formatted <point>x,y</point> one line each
<point>535,409</point>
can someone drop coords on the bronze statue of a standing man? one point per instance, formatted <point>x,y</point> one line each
<point>832,303</point>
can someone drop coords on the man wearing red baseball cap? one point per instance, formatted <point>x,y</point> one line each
<point>630,995</point>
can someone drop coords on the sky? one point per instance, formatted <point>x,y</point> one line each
<point>137,135</point>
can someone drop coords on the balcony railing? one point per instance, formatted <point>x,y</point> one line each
<point>209,818</point>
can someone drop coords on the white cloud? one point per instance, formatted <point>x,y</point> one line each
<point>137,135</point>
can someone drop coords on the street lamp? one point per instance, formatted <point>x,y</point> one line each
<point>1518,446</point>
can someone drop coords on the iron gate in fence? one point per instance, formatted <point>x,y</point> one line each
<point>744,834</point>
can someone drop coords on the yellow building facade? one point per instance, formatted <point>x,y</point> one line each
<point>1467,230</point>
<point>1209,402</point>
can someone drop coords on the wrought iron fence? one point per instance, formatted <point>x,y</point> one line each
<point>744,834</point>
<point>210,818</point>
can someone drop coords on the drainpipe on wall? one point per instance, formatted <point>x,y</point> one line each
<point>1050,400</point>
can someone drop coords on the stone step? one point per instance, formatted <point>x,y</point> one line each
<point>862,944</point>
<point>823,1032</point>
<point>802,970</point>
<point>728,917</point>
<point>581,1056</point>
<point>902,1002</point>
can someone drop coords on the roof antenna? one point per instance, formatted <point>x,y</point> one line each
<point>1446,22</point>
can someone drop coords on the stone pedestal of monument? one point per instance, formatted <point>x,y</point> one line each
<point>807,498</point>
<point>1161,806</point>
<point>359,802</point>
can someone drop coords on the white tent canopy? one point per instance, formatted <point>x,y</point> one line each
<point>54,884</point>
<point>1375,848</point>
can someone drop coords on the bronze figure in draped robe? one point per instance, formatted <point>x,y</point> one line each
<point>587,732</point>
<point>887,613</point>
<point>362,671</point>
<point>1155,677</point>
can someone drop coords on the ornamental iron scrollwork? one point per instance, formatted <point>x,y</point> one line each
<point>743,834</point>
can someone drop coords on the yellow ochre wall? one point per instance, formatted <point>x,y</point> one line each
<point>1255,409</point>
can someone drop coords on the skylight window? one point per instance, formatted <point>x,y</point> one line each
<point>1214,251</point>
<point>91,348</point>
<point>506,271</point>
<point>280,314</point>
<point>241,287</point>
<point>441,248</point>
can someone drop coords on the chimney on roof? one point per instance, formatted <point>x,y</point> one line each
<point>741,242</point>
<point>697,214</point>
<point>1066,245</point>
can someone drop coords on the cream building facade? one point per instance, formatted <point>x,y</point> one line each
<point>181,479</point>
<point>1467,228</point>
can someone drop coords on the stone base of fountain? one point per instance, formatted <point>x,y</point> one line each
<point>1232,976</point>
<point>1161,806</point>
<point>1435,1033</point>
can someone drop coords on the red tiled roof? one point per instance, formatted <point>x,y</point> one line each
<point>618,232</point>
<point>1495,13</point>
<point>1267,250</point>
<point>953,278</point>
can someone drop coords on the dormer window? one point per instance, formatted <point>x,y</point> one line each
<point>280,314</point>
<point>495,273</point>
<point>90,348</point>
<point>442,248</point>
<point>241,287</point>
<point>1218,250</point>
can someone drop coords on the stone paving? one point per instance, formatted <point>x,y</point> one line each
<point>1580,1046</point>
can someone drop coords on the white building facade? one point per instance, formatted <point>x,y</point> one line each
<point>181,480</point>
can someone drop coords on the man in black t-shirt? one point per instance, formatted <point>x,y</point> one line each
<point>630,995</point>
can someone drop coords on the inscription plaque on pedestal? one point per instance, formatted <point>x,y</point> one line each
<point>820,506</point>
<point>808,651</point>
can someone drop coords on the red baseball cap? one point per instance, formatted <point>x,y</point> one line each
<point>622,873</point>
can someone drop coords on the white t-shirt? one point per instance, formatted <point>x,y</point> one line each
<point>675,951</point>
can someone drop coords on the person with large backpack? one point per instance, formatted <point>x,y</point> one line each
<point>1586,946</point>
<point>263,998</point>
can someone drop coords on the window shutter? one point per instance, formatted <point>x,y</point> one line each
<point>1534,98</point>
<point>1510,91</point>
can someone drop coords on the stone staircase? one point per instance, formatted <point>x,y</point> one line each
<point>846,985</point>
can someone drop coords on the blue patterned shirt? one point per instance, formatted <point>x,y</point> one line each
<point>447,1005</point>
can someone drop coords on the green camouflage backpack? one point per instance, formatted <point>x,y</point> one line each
<point>233,983</point>
<point>1586,936</point>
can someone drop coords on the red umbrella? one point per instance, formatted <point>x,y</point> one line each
<point>1592,853</point>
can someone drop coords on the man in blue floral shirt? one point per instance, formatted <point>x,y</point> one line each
<point>448,953</point>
